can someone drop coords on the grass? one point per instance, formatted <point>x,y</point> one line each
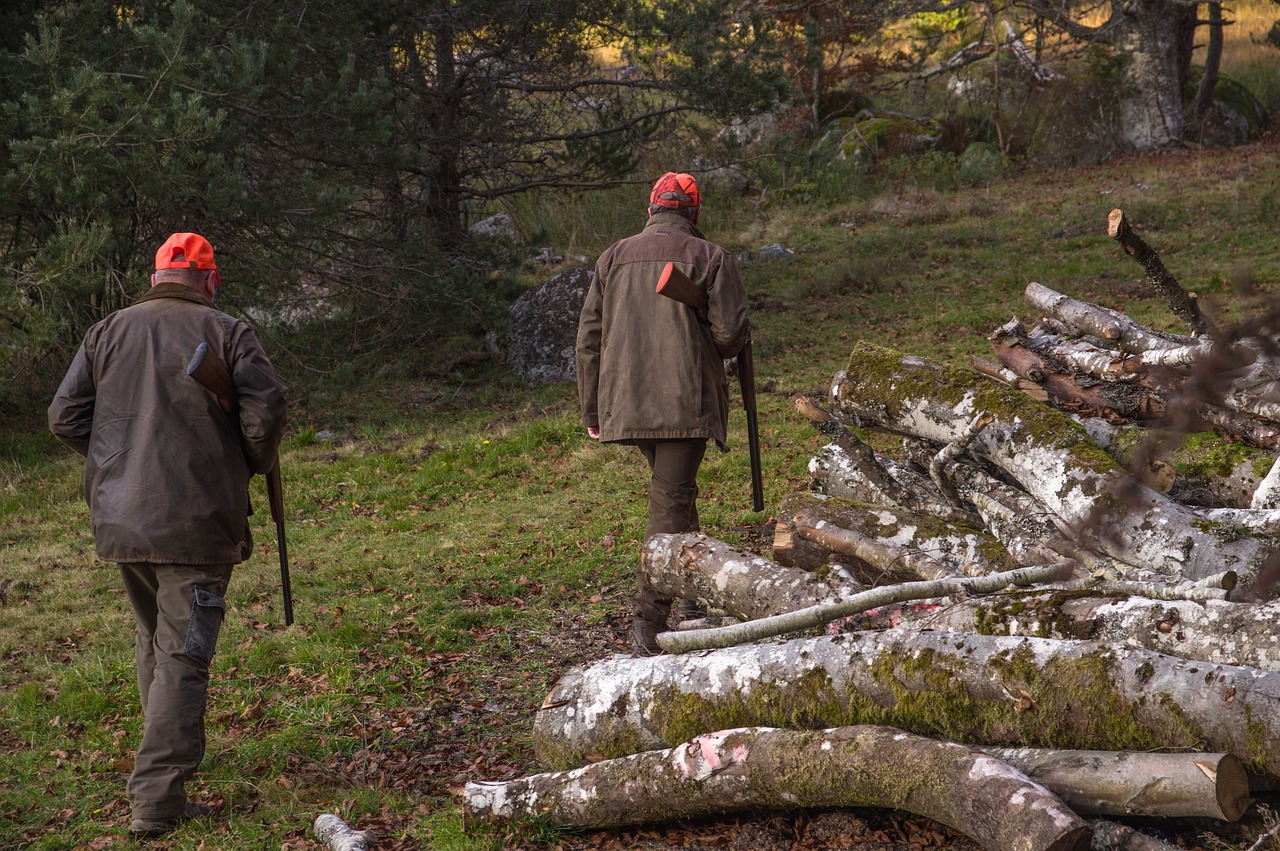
<point>457,545</point>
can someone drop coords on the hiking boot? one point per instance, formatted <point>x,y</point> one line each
<point>644,637</point>
<point>690,610</point>
<point>152,828</point>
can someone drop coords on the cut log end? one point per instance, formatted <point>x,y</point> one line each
<point>1233,788</point>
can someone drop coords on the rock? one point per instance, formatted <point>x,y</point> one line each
<point>982,164</point>
<point>499,226</point>
<point>544,328</point>
<point>772,253</point>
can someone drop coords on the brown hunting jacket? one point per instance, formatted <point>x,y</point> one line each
<point>166,472</point>
<point>647,368</point>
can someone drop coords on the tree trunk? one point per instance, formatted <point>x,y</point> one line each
<point>978,689</point>
<point>752,769</point>
<point>1051,457</point>
<point>1118,783</point>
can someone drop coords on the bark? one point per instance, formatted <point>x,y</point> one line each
<point>865,475</point>
<point>1118,783</point>
<point>977,689</point>
<point>1109,836</point>
<point>336,835</point>
<point>880,543</point>
<point>752,769</point>
<point>1051,457</point>
<point>824,613</point>
<point>693,566</point>
<point>1200,104</point>
<point>1209,470</point>
<point>1213,631</point>
<point>1064,387</point>
<point>1183,304</point>
<point>1115,328</point>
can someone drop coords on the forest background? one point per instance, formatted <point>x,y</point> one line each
<point>456,541</point>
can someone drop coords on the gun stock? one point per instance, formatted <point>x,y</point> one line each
<point>210,371</point>
<point>676,285</point>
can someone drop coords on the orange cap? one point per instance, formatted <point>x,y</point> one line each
<point>676,189</point>
<point>185,251</point>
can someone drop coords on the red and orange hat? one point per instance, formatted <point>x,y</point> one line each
<point>186,251</point>
<point>676,189</point>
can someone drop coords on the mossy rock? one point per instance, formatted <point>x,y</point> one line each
<point>982,163</point>
<point>865,138</point>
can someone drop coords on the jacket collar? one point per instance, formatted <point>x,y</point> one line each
<point>169,289</point>
<point>673,222</point>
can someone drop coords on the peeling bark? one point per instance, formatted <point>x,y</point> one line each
<point>1120,783</point>
<point>1214,631</point>
<point>693,566</point>
<point>1051,457</point>
<point>978,689</point>
<point>752,769</point>
<point>881,543</point>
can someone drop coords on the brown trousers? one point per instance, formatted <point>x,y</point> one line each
<point>673,507</point>
<point>179,611</point>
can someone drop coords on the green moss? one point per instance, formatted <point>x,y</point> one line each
<point>881,374</point>
<point>812,702</point>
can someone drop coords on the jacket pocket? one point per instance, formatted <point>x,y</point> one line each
<point>207,610</point>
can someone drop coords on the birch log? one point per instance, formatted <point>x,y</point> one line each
<point>1051,457</point>
<point>1115,328</point>
<point>753,769</point>
<point>1120,783</point>
<point>988,690</point>
<point>881,541</point>
<point>1214,631</point>
<point>336,835</point>
<point>693,566</point>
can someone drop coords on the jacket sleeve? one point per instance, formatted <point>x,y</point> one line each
<point>727,308</point>
<point>71,412</point>
<point>588,351</point>
<point>261,398</point>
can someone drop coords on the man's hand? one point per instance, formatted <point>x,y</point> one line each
<point>593,432</point>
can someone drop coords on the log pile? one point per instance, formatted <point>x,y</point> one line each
<point>1055,604</point>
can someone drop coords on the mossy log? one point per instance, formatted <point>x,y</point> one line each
<point>753,769</point>
<point>1208,470</point>
<point>1122,783</point>
<point>1214,631</point>
<point>851,469</point>
<point>694,566</point>
<point>1022,526</point>
<point>1051,457</point>
<point>984,690</point>
<point>880,544</point>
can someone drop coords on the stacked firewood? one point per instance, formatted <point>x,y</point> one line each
<point>1051,606</point>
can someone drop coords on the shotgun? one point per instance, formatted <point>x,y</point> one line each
<point>211,373</point>
<point>676,285</point>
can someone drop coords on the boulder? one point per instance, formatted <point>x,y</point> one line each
<point>499,226</point>
<point>544,328</point>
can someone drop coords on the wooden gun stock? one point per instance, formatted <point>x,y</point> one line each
<point>211,373</point>
<point>676,285</point>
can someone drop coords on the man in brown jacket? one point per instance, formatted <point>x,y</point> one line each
<point>651,375</point>
<point>166,478</point>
